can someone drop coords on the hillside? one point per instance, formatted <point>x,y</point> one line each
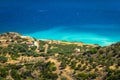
<point>25,58</point>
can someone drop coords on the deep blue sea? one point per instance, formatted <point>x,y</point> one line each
<point>89,21</point>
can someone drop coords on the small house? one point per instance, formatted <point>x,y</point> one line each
<point>30,44</point>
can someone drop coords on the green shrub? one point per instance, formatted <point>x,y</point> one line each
<point>33,48</point>
<point>13,57</point>
<point>113,75</point>
<point>50,76</point>
<point>16,67</point>
<point>29,66</point>
<point>15,75</point>
<point>1,78</point>
<point>63,78</point>
<point>63,65</point>
<point>3,59</point>
<point>3,72</point>
<point>31,53</point>
<point>26,74</point>
<point>82,76</point>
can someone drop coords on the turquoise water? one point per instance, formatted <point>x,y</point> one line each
<point>63,33</point>
<point>89,21</point>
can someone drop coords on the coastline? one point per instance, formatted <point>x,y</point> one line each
<point>32,36</point>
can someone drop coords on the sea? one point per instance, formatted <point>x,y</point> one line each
<point>88,21</point>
